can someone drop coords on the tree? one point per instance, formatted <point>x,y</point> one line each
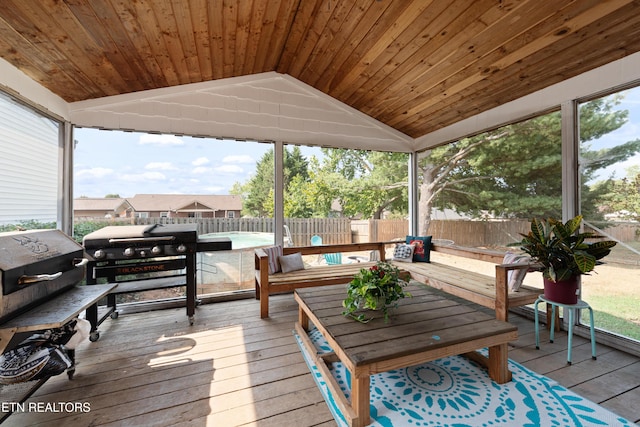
<point>367,183</point>
<point>622,196</point>
<point>364,183</point>
<point>312,198</point>
<point>257,193</point>
<point>515,171</point>
<point>597,119</point>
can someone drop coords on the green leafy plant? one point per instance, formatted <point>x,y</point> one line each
<point>561,249</point>
<point>376,288</point>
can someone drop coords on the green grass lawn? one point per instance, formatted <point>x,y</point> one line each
<point>618,314</point>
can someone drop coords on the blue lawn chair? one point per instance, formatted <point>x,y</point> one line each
<point>333,259</point>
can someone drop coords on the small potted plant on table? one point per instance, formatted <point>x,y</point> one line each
<point>563,254</point>
<point>376,288</point>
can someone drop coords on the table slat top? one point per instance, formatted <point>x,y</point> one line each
<point>426,322</point>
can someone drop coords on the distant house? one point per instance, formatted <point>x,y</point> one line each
<point>86,207</point>
<point>160,206</point>
<point>186,206</point>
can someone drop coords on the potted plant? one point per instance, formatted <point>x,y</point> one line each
<point>563,255</point>
<point>376,288</point>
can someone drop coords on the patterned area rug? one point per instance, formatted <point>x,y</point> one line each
<point>455,391</point>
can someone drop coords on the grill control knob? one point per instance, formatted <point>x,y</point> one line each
<point>99,254</point>
<point>129,252</point>
<point>181,248</point>
<point>156,250</point>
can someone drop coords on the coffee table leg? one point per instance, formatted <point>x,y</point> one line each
<point>303,319</point>
<point>360,400</point>
<point>499,364</point>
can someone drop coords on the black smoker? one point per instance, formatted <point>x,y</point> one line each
<point>34,266</point>
<point>145,257</point>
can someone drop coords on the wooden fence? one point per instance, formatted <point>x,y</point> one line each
<point>331,230</point>
<point>343,230</point>
<point>379,230</point>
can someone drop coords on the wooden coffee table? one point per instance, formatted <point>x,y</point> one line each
<point>426,327</point>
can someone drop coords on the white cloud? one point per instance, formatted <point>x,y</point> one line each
<point>147,176</point>
<point>238,159</point>
<point>200,170</point>
<point>94,173</point>
<point>167,166</point>
<point>200,161</point>
<point>229,169</point>
<point>155,139</point>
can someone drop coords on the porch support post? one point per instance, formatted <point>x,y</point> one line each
<point>65,178</point>
<point>570,160</point>
<point>414,194</point>
<point>278,208</point>
<point>570,167</point>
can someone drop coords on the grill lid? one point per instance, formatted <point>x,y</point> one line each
<point>122,235</point>
<point>24,255</point>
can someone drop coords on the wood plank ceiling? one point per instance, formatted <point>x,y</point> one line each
<point>415,65</point>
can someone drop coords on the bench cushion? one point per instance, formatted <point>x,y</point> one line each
<point>273,254</point>
<point>516,276</point>
<point>422,251</point>
<point>291,262</point>
<point>403,252</point>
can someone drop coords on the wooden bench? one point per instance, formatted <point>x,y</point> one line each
<point>321,275</point>
<point>489,291</point>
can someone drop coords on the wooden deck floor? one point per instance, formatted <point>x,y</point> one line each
<point>231,368</point>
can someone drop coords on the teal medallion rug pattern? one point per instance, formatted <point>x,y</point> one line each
<point>455,391</point>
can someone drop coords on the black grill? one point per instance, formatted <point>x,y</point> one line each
<point>141,258</point>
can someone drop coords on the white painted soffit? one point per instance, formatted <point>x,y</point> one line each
<point>263,107</point>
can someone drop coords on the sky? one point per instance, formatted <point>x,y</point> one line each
<point>130,163</point>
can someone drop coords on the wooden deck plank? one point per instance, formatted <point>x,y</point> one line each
<point>154,369</point>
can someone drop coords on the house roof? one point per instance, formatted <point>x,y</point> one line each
<point>99,204</point>
<point>413,66</point>
<point>185,202</point>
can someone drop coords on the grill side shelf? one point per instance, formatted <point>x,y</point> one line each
<point>53,313</point>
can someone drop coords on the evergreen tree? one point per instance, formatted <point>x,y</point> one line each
<point>515,171</point>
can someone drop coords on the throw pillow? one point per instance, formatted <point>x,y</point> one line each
<point>516,277</point>
<point>403,252</point>
<point>273,252</point>
<point>422,251</point>
<point>291,262</point>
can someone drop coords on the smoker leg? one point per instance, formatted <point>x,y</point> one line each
<point>191,286</point>
<point>111,304</point>
<point>92,316</point>
<point>72,368</point>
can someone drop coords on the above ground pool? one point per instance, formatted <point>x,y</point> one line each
<point>244,239</point>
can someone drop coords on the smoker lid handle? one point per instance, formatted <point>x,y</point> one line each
<point>83,262</point>
<point>23,280</point>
